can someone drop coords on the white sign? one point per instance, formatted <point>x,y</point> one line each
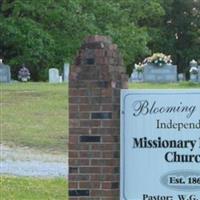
<point>160,145</point>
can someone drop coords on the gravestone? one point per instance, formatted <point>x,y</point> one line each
<point>164,74</point>
<point>181,77</point>
<point>193,71</point>
<point>66,72</point>
<point>199,74</point>
<point>60,79</point>
<point>54,75</point>
<point>194,78</point>
<point>5,75</point>
<point>94,126</point>
<point>136,77</point>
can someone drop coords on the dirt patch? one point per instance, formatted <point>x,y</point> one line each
<point>23,161</point>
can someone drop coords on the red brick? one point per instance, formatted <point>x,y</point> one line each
<point>73,139</point>
<point>110,139</point>
<point>109,170</point>
<point>108,154</point>
<point>74,123</point>
<point>106,131</point>
<point>107,185</point>
<point>74,108</point>
<point>105,147</point>
<point>84,100</point>
<point>89,185</point>
<point>110,123</point>
<point>93,154</point>
<point>104,162</point>
<point>73,92</point>
<point>80,131</point>
<point>78,162</point>
<point>88,108</point>
<point>90,170</point>
<point>88,198</point>
<point>73,184</point>
<point>79,147</point>
<point>99,53</point>
<point>90,123</point>
<point>84,115</point>
<point>95,166</point>
<point>105,193</point>
<point>104,177</point>
<point>74,115</point>
<point>80,177</point>
<point>74,100</point>
<point>73,154</point>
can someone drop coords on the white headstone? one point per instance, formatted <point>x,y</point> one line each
<point>136,76</point>
<point>5,75</point>
<point>133,77</point>
<point>199,74</point>
<point>66,72</point>
<point>194,78</point>
<point>54,75</point>
<point>60,79</point>
<point>181,77</point>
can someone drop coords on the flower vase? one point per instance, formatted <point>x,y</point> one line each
<point>193,78</point>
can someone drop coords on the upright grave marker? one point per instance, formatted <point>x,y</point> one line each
<point>66,72</point>
<point>54,75</point>
<point>94,112</point>
<point>164,74</point>
<point>5,75</point>
<point>160,145</point>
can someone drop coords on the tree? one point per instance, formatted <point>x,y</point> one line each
<point>46,33</point>
<point>22,39</point>
<point>179,32</point>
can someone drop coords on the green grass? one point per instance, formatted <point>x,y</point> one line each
<point>182,85</point>
<point>15,188</point>
<point>34,115</point>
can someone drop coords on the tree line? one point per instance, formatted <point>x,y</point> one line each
<point>47,33</point>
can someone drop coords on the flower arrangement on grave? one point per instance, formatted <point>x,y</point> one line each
<point>24,74</point>
<point>193,67</point>
<point>159,59</point>
<point>193,70</point>
<point>139,67</point>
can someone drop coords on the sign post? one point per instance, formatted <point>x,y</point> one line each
<point>160,145</point>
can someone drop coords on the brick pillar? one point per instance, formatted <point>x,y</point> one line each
<point>94,120</point>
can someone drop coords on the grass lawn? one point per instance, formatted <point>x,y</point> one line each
<point>182,85</point>
<point>15,188</point>
<point>34,115</point>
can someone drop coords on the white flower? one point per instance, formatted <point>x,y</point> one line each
<point>139,67</point>
<point>159,59</point>
<point>193,70</point>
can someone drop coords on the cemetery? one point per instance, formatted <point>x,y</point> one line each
<point>90,109</point>
<point>163,72</point>
<point>99,100</point>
